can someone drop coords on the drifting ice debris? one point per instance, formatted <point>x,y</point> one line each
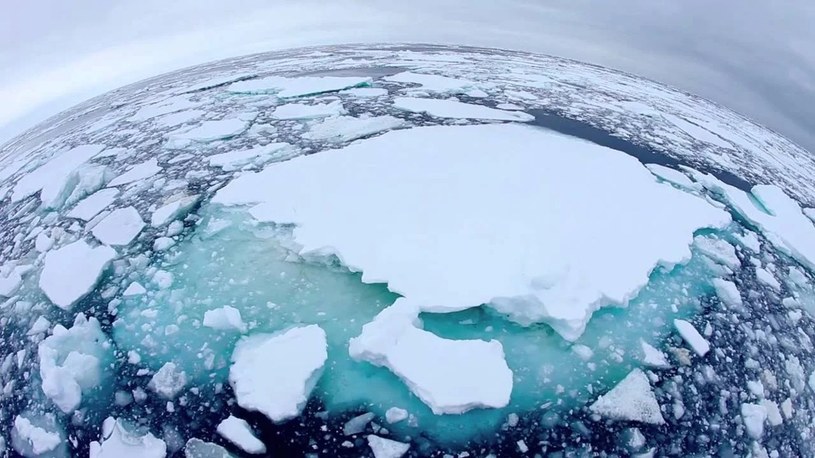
<point>395,415</point>
<point>433,83</point>
<point>9,282</point>
<point>168,381</point>
<point>386,448</point>
<point>88,179</point>
<point>652,357</point>
<point>765,277</point>
<point>183,117</point>
<point>293,359</point>
<point>347,128</point>
<point>297,87</point>
<point>196,448</point>
<point>366,91</point>
<point>302,111</point>
<point>718,250</point>
<point>357,424</point>
<point>257,155</point>
<point>40,437</point>
<point>134,289</point>
<point>673,176</point>
<point>73,361</point>
<point>52,177</point>
<point>40,326</point>
<point>698,343</point>
<point>71,272</point>
<point>238,431</point>
<point>210,131</point>
<point>90,206</point>
<point>164,107</point>
<point>454,109</point>
<point>118,442</point>
<point>119,228</point>
<point>754,416</point>
<point>632,400</point>
<point>727,292</point>
<point>137,173</point>
<point>407,180</point>
<point>226,318</point>
<point>173,210</point>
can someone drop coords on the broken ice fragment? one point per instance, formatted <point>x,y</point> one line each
<point>196,448</point>
<point>168,381</point>
<point>386,448</point>
<point>226,318</point>
<point>297,87</point>
<point>689,333</point>
<point>171,211</point>
<point>119,442</point>
<point>433,83</point>
<point>395,415</point>
<point>34,436</point>
<point>238,431</point>
<point>443,108</point>
<point>257,155</point>
<point>134,289</point>
<point>137,172</point>
<point>51,177</point>
<point>120,227</point>
<point>652,357</point>
<point>632,399</point>
<point>294,359</point>
<point>72,271</point>
<point>357,424</point>
<point>90,206</point>
<point>727,292</point>
<point>754,416</point>
<point>672,176</point>
<point>210,131</point>
<point>303,111</point>
<point>347,128</point>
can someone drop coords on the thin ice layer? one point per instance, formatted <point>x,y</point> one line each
<point>445,108</point>
<point>72,271</point>
<point>509,216</point>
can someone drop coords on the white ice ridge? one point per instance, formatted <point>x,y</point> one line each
<point>433,83</point>
<point>118,442</point>
<point>445,108</point>
<point>449,376</point>
<point>274,373</point>
<point>137,173</point>
<point>120,227</point>
<point>303,111</point>
<point>506,215</point>
<point>257,155</point>
<point>297,87</point>
<point>347,128</point>
<point>73,361</point>
<point>72,271</point>
<point>630,400</point>
<point>53,177</point>
<point>238,431</point>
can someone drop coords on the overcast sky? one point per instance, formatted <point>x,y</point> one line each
<point>754,56</point>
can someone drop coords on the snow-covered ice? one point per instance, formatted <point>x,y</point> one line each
<point>120,227</point>
<point>386,448</point>
<point>433,83</point>
<point>71,272</point>
<point>238,431</point>
<point>257,155</point>
<point>210,131</point>
<point>543,262</point>
<point>33,440</point>
<point>196,448</point>
<point>347,128</point>
<point>118,442</point>
<point>90,206</point>
<point>632,400</point>
<point>274,373</point>
<point>689,334</point>
<point>297,87</point>
<point>9,282</point>
<point>168,381</point>
<point>754,416</point>
<point>395,415</point>
<point>173,210</point>
<point>446,108</point>
<point>652,357</point>
<point>764,276</point>
<point>163,107</point>
<point>303,111</point>
<point>54,179</point>
<point>672,176</point>
<point>226,318</point>
<point>366,91</point>
<point>134,289</point>
<point>137,173</point>
<point>727,292</point>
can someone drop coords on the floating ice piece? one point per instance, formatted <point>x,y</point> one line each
<point>238,431</point>
<point>395,415</point>
<point>182,117</point>
<point>168,381</point>
<point>357,424</point>
<point>347,128</point>
<point>534,257</point>
<point>38,438</point>
<point>673,176</point>
<point>10,282</point>
<point>297,87</point>
<point>72,271</point>
<point>162,243</point>
<point>73,361</point>
<point>257,155</point>
<point>88,179</point>
<point>137,173</point>
<point>652,357</point>
<point>303,111</point>
<point>764,276</point>
<point>433,83</point>
<point>632,400</point>
<point>90,206</point>
<point>226,318</point>
<point>366,91</point>
<point>54,178</point>
<point>210,131</point>
<point>773,412</point>
<point>387,448</point>
<point>727,292</point>
<point>754,416</point>
<point>118,442</point>
<point>134,289</point>
<point>196,448</point>
<point>162,108</point>
<point>443,108</point>
<point>719,250</point>
<point>171,211</point>
<point>40,326</point>
<point>698,343</point>
<point>274,373</point>
<point>120,227</point>
<point>450,376</point>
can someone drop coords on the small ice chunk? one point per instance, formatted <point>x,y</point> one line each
<point>357,424</point>
<point>727,292</point>
<point>210,131</point>
<point>163,107</point>
<point>137,173</point>
<point>42,244</point>
<point>163,279</point>
<point>522,447</point>
<point>134,289</point>
<point>387,448</point>
<point>10,282</point>
<point>347,128</point>
<point>162,243</point>
<point>120,227</point>
<point>444,108</point>
<point>764,276</point>
<point>182,117</point>
<point>53,178</point>
<point>652,357</point>
<point>196,448</point>
<point>773,412</point>
<point>632,400</point>
<point>226,318</point>
<point>754,416</point>
<point>750,241</point>
<point>257,155</point>
<point>718,250</point>
<point>294,359</point>
<point>33,440</point>
<point>303,111</point>
<point>698,343</point>
<point>178,208</point>
<point>297,87</point>
<point>168,381</point>
<point>672,176</point>
<point>71,272</point>
<point>433,83</point>
<point>238,431</point>
<point>90,206</point>
<point>40,326</point>
<point>118,442</point>
<point>365,91</point>
<point>395,415</point>
<point>582,351</point>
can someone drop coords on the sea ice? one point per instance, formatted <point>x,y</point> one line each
<point>196,448</point>
<point>444,108</point>
<point>90,206</point>
<point>275,373</point>
<point>303,111</point>
<point>357,424</point>
<point>754,416</point>
<point>73,361</point>
<point>163,107</point>
<point>514,241</point>
<point>173,210</point>
<point>134,289</point>
<point>764,276</point>
<point>120,227</point>
<point>210,131</point>
<point>672,176</point>
<point>9,282</point>
<point>33,440</point>
<point>168,381</point>
<point>257,155</point>
<point>698,343</point>
<point>182,117</point>
<point>395,415</point>
<point>53,178</point>
<point>238,431</point>
<point>226,318</point>
<point>718,250</point>
<point>386,448</point>
<point>87,180</point>
<point>137,173</point>
<point>118,442</point>
<point>433,83</point>
<point>652,357</point>
<point>71,272</point>
<point>632,400</point>
<point>366,91</point>
<point>297,87</point>
<point>727,292</point>
<point>347,128</point>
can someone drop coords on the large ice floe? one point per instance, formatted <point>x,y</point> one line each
<point>405,251</point>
